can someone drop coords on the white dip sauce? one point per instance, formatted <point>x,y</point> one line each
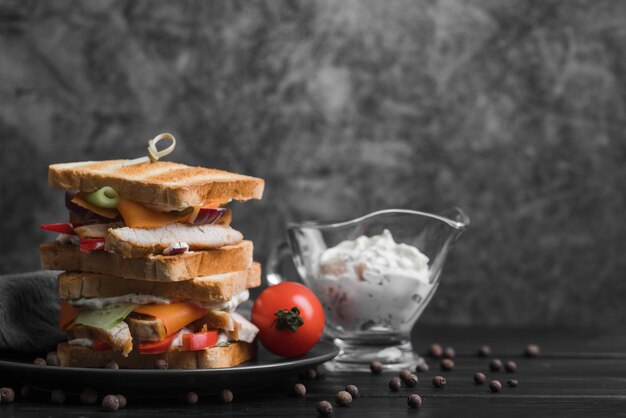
<point>373,284</point>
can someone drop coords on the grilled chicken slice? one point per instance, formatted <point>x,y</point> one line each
<point>96,230</point>
<point>140,242</point>
<point>146,328</point>
<point>118,337</point>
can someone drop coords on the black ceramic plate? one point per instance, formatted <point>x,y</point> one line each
<point>265,371</point>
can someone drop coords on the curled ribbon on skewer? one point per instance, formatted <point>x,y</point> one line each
<point>153,153</point>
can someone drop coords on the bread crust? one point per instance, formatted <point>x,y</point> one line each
<point>215,288</point>
<point>232,355</point>
<point>68,257</point>
<point>162,183</point>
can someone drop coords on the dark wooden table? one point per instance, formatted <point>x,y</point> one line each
<point>578,373</point>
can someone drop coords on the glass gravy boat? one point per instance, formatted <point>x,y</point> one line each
<point>371,319</point>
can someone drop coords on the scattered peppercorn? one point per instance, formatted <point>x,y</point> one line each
<point>320,371</point>
<point>122,400</point>
<point>190,398</point>
<point>395,384</point>
<point>411,381</point>
<point>376,367</point>
<point>414,401</point>
<point>352,390</point>
<point>447,364</point>
<point>52,359</point>
<point>510,366</point>
<point>439,381</point>
<point>495,365</point>
<point>479,378</point>
<point>404,375</point>
<point>324,408</point>
<point>226,396</point>
<point>435,350</point>
<point>161,364</point>
<point>311,374</point>
<point>89,396</point>
<point>422,367</point>
<point>532,350</point>
<point>448,353</point>
<point>111,365</point>
<point>57,396</point>
<point>484,351</point>
<point>39,361</point>
<point>26,391</point>
<point>7,395</point>
<point>513,383</point>
<point>495,386</point>
<point>343,398</point>
<point>111,403</point>
<point>300,390</point>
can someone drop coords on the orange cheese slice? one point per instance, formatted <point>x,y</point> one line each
<point>174,316</point>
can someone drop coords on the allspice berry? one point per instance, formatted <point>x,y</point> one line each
<point>447,364</point>
<point>311,374</point>
<point>122,400</point>
<point>300,390</point>
<point>111,403</point>
<point>532,350</point>
<point>26,391</point>
<point>479,378</point>
<point>343,398</point>
<point>376,367</point>
<point>484,351</point>
<point>414,401</point>
<point>89,396</point>
<point>422,367</point>
<point>513,383</point>
<point>112,365</point>
<point>495,386</point>
<point>436,350</point>
<point>7,395</point>
<point>226,396</point>
<point>161,364</point>
<point>190,398</point>
<point>52,359</point>
<point>324,408</point>
<point>404,375</point>
<point>352,390</point>
<point>439,381</point>
<point>411,381</point>
<point>57,396</point>
<point>495,365</point>
<point>448,352</point>
<point>510,366</point>
<point>39,361</point>
<point>395,384</point>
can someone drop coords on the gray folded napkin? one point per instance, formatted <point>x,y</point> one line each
<point>29,312</point>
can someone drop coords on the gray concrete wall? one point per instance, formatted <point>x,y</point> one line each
<point>512,110</point>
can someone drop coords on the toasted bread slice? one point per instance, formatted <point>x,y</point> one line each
<point>210,289</point>
<point>140,242</point>
<point>163,184</point>
<point>172,268</point>
<point>228,356</point>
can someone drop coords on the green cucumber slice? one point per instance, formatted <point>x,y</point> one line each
<point>107,317</point>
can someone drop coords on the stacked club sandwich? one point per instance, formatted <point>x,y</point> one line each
<point>153,270</point>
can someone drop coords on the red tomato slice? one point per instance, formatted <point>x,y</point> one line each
<point>200,340</point>
<point>61,228</point>
<point>88,245</point>
<point>157,347</point>
<point>101,345</point>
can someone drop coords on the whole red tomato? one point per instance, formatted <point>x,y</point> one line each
<point>290,319</point>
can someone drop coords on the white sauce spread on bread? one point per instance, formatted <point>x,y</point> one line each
<point>99,303</point>
<point>373,283</point>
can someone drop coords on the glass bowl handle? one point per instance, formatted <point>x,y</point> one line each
<point>273,267</point>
